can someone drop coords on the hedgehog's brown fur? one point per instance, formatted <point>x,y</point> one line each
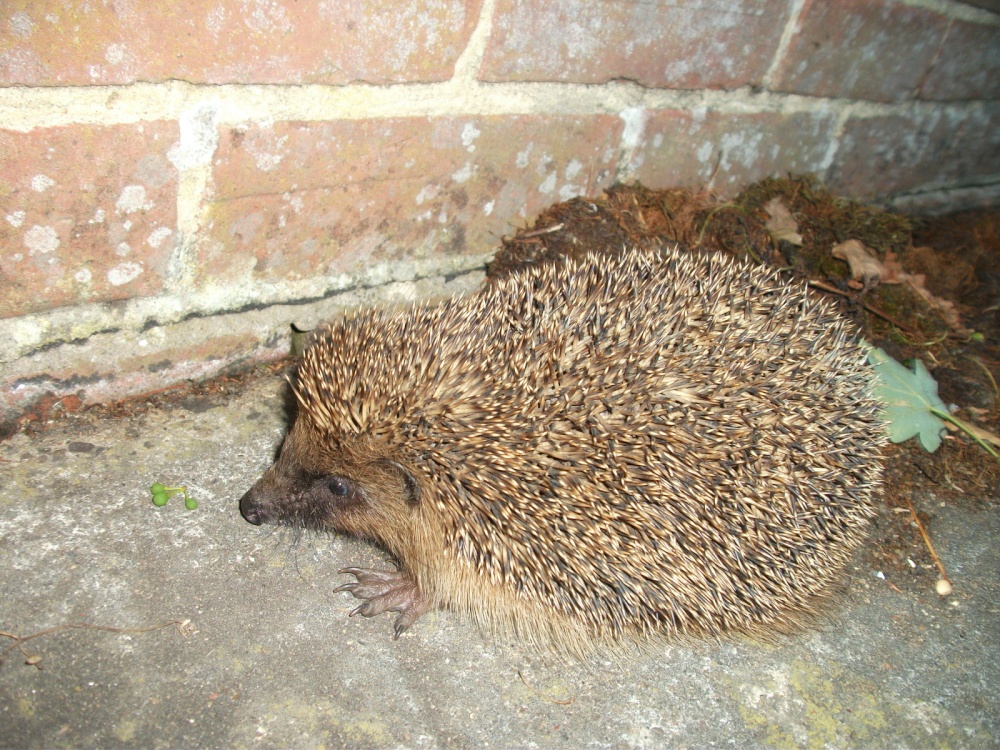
<point>591,452</point>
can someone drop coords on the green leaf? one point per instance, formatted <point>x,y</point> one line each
<point>911,400</point>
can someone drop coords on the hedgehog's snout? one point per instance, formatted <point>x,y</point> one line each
<point>250,509</point>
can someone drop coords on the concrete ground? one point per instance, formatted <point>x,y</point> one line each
<point>268,657</point>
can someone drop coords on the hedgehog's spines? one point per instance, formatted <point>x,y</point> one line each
<point>615,446</point>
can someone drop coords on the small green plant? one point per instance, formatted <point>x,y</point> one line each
<point>912,404</point>
<point>161,494</point>
<point>913,407</point>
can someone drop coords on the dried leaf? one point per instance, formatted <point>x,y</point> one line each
<point>865,267</point>
<point>782,225</point>
<point>895,274</point>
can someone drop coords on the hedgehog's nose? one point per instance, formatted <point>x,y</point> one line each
<point>249,509</point>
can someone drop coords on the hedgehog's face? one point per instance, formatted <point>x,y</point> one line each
<point>313,485</point>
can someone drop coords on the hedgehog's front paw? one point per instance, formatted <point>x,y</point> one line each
<point>386,591</point>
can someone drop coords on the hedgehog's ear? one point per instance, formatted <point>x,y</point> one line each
<point>409,481</point>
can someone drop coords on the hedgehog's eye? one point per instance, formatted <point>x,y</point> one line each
<point>337,486</point>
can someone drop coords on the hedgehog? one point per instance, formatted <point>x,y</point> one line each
<point>609,450</point>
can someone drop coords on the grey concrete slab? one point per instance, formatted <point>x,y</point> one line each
<point>270,659</point>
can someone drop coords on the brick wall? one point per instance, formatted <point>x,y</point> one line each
<point>181,179</point>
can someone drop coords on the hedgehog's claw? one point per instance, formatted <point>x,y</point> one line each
<point>386,591</point>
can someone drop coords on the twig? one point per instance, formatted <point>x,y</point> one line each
<point>927,539</point>
<point>543,696</point>
<point>978,434</point>
<point>869,307</point>
<point>183,627</point>
<point>538,232</point>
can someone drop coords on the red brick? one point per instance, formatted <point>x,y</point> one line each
<point>89,214</point>
<point>687,148</point>
<point>73,42</point>
<point>860,49</point>
<point>117,364</point>
<point>968,66</point>
<point>942,148</point>
<point>656,44</point>
<point>296,200</point>
<point>111,366</point>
